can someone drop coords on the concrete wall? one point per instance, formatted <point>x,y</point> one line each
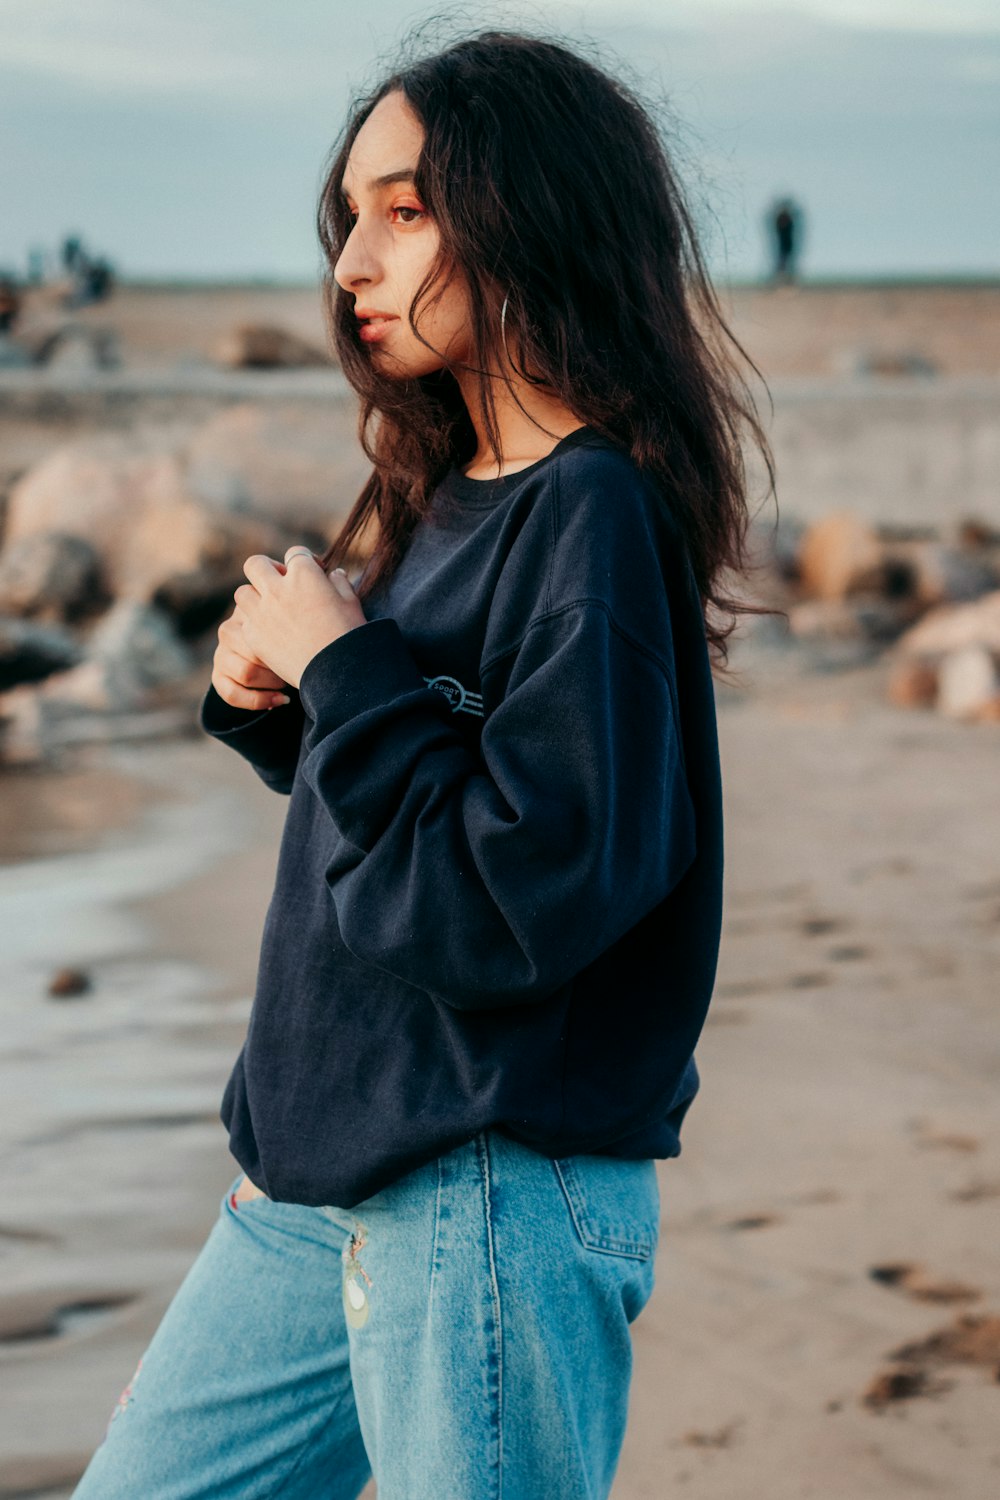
<point>921,451</point>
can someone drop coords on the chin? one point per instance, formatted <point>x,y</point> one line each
<point>404,369</point>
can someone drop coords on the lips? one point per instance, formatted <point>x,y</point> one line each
<point>374,328</point>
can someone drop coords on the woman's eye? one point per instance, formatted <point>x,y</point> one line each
<point>407,208</point>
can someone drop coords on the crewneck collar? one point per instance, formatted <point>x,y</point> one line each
<point>486,492</point>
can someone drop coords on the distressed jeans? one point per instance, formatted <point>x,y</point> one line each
<point>462,1335</point>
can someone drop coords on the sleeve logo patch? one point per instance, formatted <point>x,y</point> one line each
<point>460,698</point>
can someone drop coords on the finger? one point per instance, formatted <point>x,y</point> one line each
<point>342,583</point>
<point>260,569</point>
<point>238,696</point>
<point>249,671</point>
<point>299,551</point>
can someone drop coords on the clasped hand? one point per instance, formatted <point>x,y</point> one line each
<point>288,611</point>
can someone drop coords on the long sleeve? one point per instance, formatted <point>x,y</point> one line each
<point>270,738</point>
<point>490,876</point>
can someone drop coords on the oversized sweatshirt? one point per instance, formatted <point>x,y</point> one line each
<point>498,893</point>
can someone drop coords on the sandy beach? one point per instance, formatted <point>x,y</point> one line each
<point>826,1319</point>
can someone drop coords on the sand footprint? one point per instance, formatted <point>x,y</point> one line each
<point>918,1283</point>
<point>972,1339</point>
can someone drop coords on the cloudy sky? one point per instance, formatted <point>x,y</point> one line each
<point>187,137</point>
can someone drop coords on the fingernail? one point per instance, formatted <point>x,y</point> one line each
<point>280,698</point>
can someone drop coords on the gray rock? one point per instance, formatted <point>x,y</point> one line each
<point>31,651</point>
<point>50,576</point>
<point>137,646</point>
<point>262,346</point>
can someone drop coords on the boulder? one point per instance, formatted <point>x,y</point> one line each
<point>133,650</point>
<point>30,651</point>
<point>936,573</point>
<point>840,555</point>
<point>913,684</point>
<point>52,576</point>
<point>968,683</point>
<point>127,498</point>
<point>950,627</point>
<point>298,466</point>
<point>860,619</point>
<point>262,346</point>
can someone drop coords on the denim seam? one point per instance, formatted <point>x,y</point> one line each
<point>308,1444</point>
<point>495,1290</point>
<point>436,1243</point>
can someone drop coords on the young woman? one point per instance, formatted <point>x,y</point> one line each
<point>495,922</point>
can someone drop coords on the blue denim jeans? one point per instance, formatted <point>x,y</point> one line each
<point>462,1334</point>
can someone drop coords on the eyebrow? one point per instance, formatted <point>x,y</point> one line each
<point>401,174</point>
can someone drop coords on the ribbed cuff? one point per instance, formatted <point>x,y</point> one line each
<point>217,717</point>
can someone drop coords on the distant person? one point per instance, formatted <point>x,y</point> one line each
<point>495,925</point>
<point>99,280</point>
<point>10,302</point>
<point>89,280</point>
<point>72,252</point>
<point>785,222</point>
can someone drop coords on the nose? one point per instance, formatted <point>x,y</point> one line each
<point>356,262</point>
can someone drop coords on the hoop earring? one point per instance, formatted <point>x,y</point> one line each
<point>503,328</point>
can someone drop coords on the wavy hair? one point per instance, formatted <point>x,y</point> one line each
<point>554,193</point>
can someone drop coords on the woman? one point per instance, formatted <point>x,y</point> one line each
<point>495,922</point>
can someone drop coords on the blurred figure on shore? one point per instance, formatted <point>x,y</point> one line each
<point>10,301</point>
<point>89,280</point>
<point>785,229</point>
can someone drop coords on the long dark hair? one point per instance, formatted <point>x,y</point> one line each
<point>551,187</point>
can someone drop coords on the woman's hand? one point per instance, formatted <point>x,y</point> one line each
<point>238,677</point>
<point>289,611</point>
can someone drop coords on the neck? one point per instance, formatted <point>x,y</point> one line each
<point>525,435</point>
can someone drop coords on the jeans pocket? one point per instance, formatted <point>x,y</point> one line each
<point>240,1205</point>
<point>614,1204</point>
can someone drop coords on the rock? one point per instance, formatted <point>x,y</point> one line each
<point>50,576</point>
<point>132,652</point>
<point>127,497</point>
<point>134,659</point>
<point>968,683</point>
<point>856,619</point>
<point>904,362</point>
<point>940,574</point>
<point>69,982</point>
<point>950,627</point>
<point>913,684</point>
<point>198,600</point>
<point>840,555</point>
<point>972,531</point>
<point>294,466</point>
<point>259,346</point>
<point>75,347</point>
<point>30,651</point>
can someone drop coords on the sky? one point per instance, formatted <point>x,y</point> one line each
<point>187,138</point>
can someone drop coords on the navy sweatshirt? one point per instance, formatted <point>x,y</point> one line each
<point>498,893</point>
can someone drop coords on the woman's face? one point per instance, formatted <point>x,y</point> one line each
<point>392,246</point>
